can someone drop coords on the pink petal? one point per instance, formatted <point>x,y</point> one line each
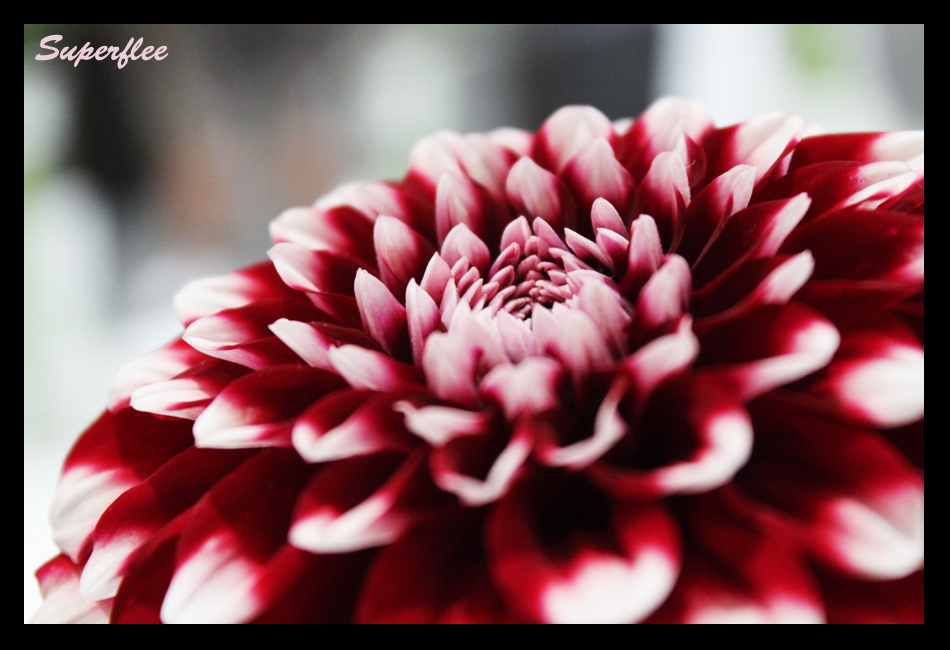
<point>517,232</point>
<point>312,341</point>
<point>531,386</point>
<point>594,173</point>
<point>462,243</point>
<point>517,140</point>
<point>210,295</point>
<point>566,132</point>
<point>151,368</point>
<point>423,318</point>
<point>766,348</point>
<point>618,569</point>
<point>437,275</point>
<point>438,425</point>
<point>664,195</point>
<point>644,257</point>
<point>259,409</point>
<point>587,250</point>
<point>861,508</point>
<point>608,312</point>
<point>665,296</point>
<point>604,215</point>
<point>187,394</point>
<point>486,162</point>
<point>537,193</point>
<point>450,362</point>
<point>384,318</point>
<point>362,368</point>
<point>242,336</point>
<point>516,337</point>
<point>904,146</point>
<point>571,336</point>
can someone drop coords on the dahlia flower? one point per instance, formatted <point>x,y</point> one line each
<point>643,371</point>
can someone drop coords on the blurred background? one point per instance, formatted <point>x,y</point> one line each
<point>137,180</point>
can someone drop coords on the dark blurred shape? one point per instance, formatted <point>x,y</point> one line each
<point>607,66</point>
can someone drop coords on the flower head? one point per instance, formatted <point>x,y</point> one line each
<point>664,373</point>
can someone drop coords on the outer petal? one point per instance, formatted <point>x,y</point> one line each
<point>117,452</point>
<point>861,507</point>
<point>561,552</point>
<point>341,229</point>
<point>187,394</point>
<point>59,582</point>
<point>762,141</point>
<point>154,367</point>
<point>568,131</point>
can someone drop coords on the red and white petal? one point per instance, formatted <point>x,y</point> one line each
<point>535,192</point>
<point>232,559</point>
<point>665,296</point>
<point>242,335</point>
<point>560,552</point>
<point>438,425</point>
<point>59,582</point>
<point>210,295</point>
<point>434,573</point>
<point>423,318</point>
<point>316,271</point>
<point>712,206</point>
<point>765,348</point>
<point>876,379</point>
<point>384,318</point>
<point>361,502</point>
<point>480,469</point>
<point>531,386</point>
<point>518,140</point>
<point>462,243</point>
<point>664,195</point>
<point>756,232</point>
<point>594,173</point>
<point>608,312</point>
<point>566,132</point>
<point>312,341</point>
<point>864,245</point>
<point>139,513</point>
<point>187,394</point>
<point>661,128</point>
<point>856,503</point>
<point>571,336</point>
<point>604,215</point>
<point>114,454</point>
<point>660,359</point>
<point>433,156</point>
<point>486,162</point>
<point>904,146</point>
<point>644,257</point>
<point>762,141</point>
<point>349,423</point>
<point>736,572</point>
<point>259,409</point>
<point>436,276</point>
<point>152,368</point>
<point>402,254</point>
<point>343,229</point>
<point>363,368</point>
<point>516,337</point>
<point>450,363</point>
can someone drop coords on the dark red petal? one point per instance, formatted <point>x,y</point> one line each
<point>139,513</point>
<point>384,318</point>
<point>906,146</point>
<point>232,561</point>
<point>709,210</point>
<point>117,452</point>
<point>735,571</point>
<point>363,502</point>
<point>259,409</point>
<point>859,601</point>
<point>560,551</point>
<point>765,348</point>
<point>856,504</point>
<point>435,573</point>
